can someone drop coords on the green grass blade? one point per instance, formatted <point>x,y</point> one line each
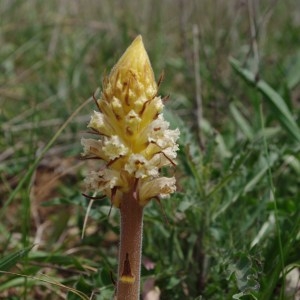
<point>282,111</point>
<point>41,279</point>
<point>241,121</point>
<point>293,72</point>
<point>11,260</point>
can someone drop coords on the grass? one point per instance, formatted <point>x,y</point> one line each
<point>233,226</point>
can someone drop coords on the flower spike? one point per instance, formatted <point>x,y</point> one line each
<point>135,141</point>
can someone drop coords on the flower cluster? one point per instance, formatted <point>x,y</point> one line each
<point>134,139</point>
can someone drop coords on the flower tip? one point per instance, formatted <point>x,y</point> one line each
<point>138,39</point>
<point>134,55</point>
<point>136,46</point>
<point>136,60</point>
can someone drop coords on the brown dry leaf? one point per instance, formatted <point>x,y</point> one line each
<point>292,288</point>
<point>154,294</point>
<point>52,173</point>
<point>150,291</point>
<point>148,263</point>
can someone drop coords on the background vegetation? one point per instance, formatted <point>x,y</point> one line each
<point>233,227</point>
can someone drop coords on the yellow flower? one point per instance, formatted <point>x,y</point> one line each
<point>134,139</point>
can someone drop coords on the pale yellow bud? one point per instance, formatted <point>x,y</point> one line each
<point>132,78</point>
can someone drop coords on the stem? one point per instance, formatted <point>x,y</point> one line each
<point>128,286</point>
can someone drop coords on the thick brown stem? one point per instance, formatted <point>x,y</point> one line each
<point>128,286</point>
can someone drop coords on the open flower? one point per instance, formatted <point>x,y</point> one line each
<point>134,141</point>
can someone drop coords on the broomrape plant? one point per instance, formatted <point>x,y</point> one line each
<point>134,143</point>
